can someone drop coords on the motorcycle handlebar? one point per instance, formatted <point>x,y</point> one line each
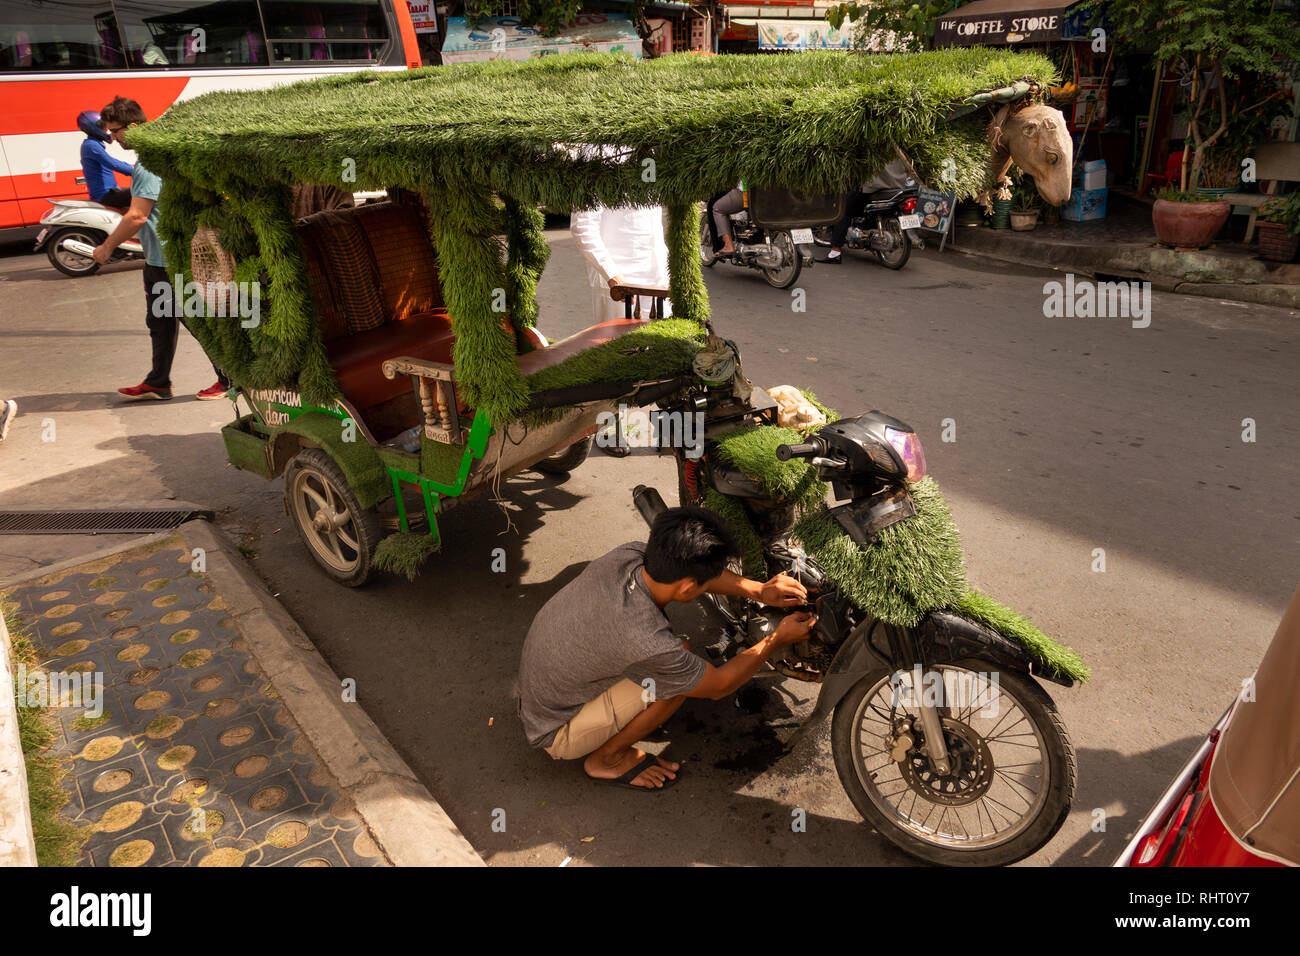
<point>808,449</point>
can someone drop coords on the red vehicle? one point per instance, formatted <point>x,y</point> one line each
<point>1237,801</point>
<point>57,59</point>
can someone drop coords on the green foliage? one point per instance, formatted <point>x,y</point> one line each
<point>1059,659</point>
<point>751,546</point>
<point>659,349</point>
<point>912,23</point>
<point>1174,194</point>
<point>550,15</point>
<point>464,135</point>
<point>404,553</point>
<point>58,841</point>
<point>1284,211</point>
<point>1232,41</point>
<point>1025,195</point>
<point>915,567</point>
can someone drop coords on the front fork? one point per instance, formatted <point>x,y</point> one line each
<point>903,644</point>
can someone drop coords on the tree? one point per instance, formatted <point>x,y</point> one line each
<point>911,23</point>
<point>1227,39</point>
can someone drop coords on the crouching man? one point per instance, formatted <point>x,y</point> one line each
<point>601,668</point>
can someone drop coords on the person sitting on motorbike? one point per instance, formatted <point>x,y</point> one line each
<point>601,668</point>
<point>98,166</point>
<point>722,208</point>
<point>895,175</point>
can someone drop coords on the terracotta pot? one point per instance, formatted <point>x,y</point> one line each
<point>1023,221</point>
<point>1275,244</point>
<point>1189,225</point>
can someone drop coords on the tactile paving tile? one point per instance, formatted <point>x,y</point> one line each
<point>189,724</point>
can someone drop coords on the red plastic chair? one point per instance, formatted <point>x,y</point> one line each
<point>1173,171</point>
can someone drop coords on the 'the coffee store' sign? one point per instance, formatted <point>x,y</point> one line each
<point>995,22</point>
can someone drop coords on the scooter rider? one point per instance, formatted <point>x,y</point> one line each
<point>896,174</point>
<point>721,209</point>
<point>98,165</point>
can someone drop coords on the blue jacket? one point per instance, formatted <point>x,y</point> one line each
<point>98,167</point>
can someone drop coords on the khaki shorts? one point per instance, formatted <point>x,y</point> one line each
<point>598,721</point>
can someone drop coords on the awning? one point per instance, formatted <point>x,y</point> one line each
<point>507,38</point>
<point>998,22</point>
<point>786,34</point>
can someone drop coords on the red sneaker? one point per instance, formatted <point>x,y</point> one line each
<point>213,391</point>
<point>146,391</point>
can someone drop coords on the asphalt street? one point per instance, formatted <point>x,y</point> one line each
<point>1071,435</point>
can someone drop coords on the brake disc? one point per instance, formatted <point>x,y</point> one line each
<point>971,762</point>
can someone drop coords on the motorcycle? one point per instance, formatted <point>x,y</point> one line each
<point>940,734</point>
<point>71,230</point>
<point>882,226</point>
<point>775,253</point>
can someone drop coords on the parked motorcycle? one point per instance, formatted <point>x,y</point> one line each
<point>774,253</point>
<point>72,228</point>
<point>941,737</point>
<point>882,226</point>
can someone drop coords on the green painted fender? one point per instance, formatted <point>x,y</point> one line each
<point>360,463</point>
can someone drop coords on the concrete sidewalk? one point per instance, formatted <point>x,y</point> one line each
<point>224,738</point>
<point>1124,246</point>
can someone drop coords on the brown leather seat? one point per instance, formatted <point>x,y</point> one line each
<point>358,359</point>
<point>557,352</point>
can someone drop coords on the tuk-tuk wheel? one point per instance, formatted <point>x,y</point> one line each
<point>339,533</point>
<point>563,462</point>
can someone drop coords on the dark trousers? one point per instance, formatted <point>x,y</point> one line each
<point>853,206</point>
<point>116,199</point>
<point>165,329</point>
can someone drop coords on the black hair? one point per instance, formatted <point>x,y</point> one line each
<point>690,542</point>
<point>123,112</point>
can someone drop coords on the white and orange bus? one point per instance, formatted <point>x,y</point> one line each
<point>61,57</point>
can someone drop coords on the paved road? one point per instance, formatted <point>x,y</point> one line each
<point>1071,435</point>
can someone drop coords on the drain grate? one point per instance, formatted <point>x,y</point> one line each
<point>95,522</point>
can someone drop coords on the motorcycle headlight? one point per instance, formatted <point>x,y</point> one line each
<point>908,447</point>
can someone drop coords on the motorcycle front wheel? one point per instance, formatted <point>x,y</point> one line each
<point>900,247</point>
<point>783,276</point>
<point>1013,768</point>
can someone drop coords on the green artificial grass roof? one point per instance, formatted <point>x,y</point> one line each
<point>819,121</point>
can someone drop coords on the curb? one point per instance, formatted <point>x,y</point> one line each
<point>17,842</point>
<point>1165,269</point>
<point>409,826</point>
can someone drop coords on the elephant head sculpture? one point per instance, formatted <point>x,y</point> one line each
<point>1037,140</point>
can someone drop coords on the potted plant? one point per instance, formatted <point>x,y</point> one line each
<point>1279,228</point>
<point>1001,210</point>
<point>1187,220</point>
<point>1228,55</point>
<point>1024,210</point>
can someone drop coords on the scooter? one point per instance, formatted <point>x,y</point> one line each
<point>73,228</point>
<point>940,734</point>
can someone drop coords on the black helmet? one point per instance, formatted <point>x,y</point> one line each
<point>88,122</point>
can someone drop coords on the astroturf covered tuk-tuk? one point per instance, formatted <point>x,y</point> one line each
<point>396,350</point>
<point>396,356</point>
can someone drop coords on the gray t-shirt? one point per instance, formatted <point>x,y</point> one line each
<point>599,628</point>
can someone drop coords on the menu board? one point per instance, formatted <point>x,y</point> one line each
<point>935,208</point>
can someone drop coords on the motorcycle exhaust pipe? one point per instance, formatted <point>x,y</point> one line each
<point>649,502</point>
<point>80,248</point>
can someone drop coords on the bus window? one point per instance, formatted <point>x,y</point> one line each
<point>316,30</point>
<point>192,33</point>
<point>70,35</point>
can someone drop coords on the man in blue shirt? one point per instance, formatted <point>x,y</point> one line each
<point>164,312</point>
<point>98,166</point>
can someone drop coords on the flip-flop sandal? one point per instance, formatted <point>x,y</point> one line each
<point>651,760</point>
